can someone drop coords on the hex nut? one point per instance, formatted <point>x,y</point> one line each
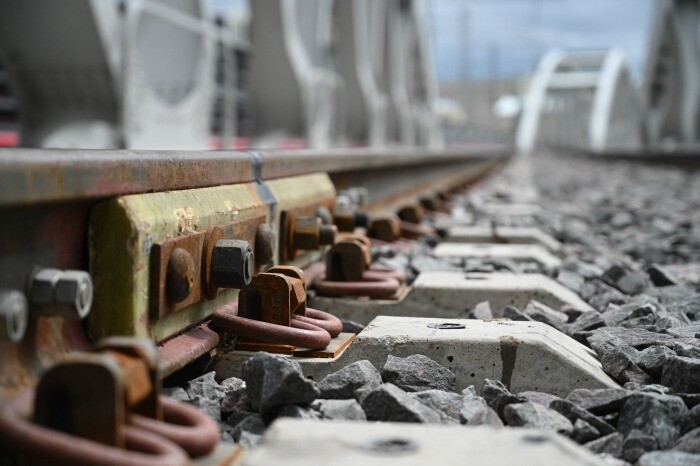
<point>232,264</point>
<point>60,293</point>
<point>73,294</point>
<point>41,286</point>
<point>14,314</point>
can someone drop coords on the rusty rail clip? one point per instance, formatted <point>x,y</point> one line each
<point>349,272</point>
<point>273,309</point>
<point>104,408</point>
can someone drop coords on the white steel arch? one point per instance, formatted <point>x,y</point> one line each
<point>582,100</point>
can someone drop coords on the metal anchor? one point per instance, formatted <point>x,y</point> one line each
<point>273,309</point>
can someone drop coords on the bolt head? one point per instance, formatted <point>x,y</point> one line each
<point>265,240</point>
<point>306,231</point>
<point>232,264</point>
<point>179,278</point>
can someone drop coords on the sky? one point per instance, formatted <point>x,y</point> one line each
<point>487,39</point>
<point>505,38</point>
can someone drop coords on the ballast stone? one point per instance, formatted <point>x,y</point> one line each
<point>417,373</point>
<point>274,381</point>
<point>344,383</point>
<point>532,415</point>
<point>391,404</point>
<point>661,416</point>
<point>349,410</point>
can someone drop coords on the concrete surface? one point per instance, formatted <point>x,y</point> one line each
<point>509,235</point>
<point>455,294</point>
<point>297,442</point>
<point>524,355</point>
<point>515,252</point>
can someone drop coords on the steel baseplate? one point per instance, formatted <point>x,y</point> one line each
<point>132,237</point>
<point>506,235</point>
<point>455,294</point>
<point>523,355</point>
<point>292,442</point>
<point>515,252</point>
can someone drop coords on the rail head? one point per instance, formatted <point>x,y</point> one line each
<point>32,176</point>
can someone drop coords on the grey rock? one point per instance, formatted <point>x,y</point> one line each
<point>349,410</point>
<point>682,374</point>
<point>584,432</point>
<point>251,423</point>
<point>274,381</point>
<point>689,442</point>
<point>532,415</point>
<point>636,444</point>
<point>660,276</point>
<point>298,412</point>
<point>687,331</point>
<point>570,279</point>
<point>449,403</point>
<point>610,460</point>
<point>205,386</point>
<point>469,391</point>
<point>509,312</point>
<point>248,440</point>
<point>669,458</point>
<point>574,413</point>
<point>587,321</point>
<point>540,398</point>
<point>541,313</point>
<point>417,373</point>
<point>638,338</point>
<point>235,393</point>
<point>653,359</point>
<point>689,306</point>
<point>660,416</point>
<point>613,274</point>
<point>617,358</point>
<point>208,406</point>
<point>614,314</point>
<point>693,419</point>
<point>176,393</point>
<point>482,311</point>
<point>633,283</point>
<point>622,220</point>
<point>497,396</point>
<point>610,444</point>
<point>350,326</point>
<point>475,412</point>
<point>425,263</point>
<point>651,388</point>
<point>343,383</point>
<point>686,350</point>
<point>391,404</point>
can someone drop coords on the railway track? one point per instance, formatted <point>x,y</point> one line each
<point>540,299</point>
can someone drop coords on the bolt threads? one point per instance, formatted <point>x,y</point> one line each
<point>326,234</point>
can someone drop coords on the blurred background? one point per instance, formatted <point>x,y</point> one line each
<point>594,75</point>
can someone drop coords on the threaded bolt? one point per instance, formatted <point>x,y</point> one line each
<point>327,234</point>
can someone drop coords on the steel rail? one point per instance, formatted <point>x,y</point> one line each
<point>31,176</point>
